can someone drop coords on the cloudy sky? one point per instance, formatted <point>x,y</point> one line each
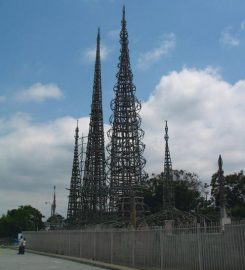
<point>188,62</point>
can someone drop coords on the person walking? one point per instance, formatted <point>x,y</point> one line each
<point>24,246</point>
<point>21,241</point>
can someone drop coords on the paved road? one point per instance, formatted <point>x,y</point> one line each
<point>10,260</point>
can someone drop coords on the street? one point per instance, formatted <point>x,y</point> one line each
<point>10,260</point>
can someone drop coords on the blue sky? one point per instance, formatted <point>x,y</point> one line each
<point>188,63</point>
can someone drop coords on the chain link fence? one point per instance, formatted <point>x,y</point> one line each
<point>197,248</point>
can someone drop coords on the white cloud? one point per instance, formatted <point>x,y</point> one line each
<point>90,53</point>
<point>167,45</point>
<point>34,157</point>
<point>229,38</point>
<point>38,156</point>
<point>206,118</point>
<point>39,92</point>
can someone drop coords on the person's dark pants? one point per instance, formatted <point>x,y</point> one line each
<point>21,250</point>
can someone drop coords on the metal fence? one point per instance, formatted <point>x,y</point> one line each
<point>183,249</point>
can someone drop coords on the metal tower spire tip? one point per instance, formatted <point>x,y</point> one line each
<point>166,137</point>
<point>76,130</point>
<point>123,22</point>
<point>98,36</point>
<point>123,12</point>
<point>220,163</point>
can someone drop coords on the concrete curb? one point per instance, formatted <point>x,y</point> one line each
<point>82,260</point>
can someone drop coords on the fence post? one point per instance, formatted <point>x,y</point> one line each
<point>111,247</point>
<point>133,248</point>
<point>199,243</point>
<point>69,241</point>
<point>94,253</point>
<point>161,249</point>
<point>80,244</point>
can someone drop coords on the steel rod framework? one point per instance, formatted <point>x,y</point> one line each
<point>94,179</point>
<point>125,149</point>
<point>168,195</point>
<point>74,203</point>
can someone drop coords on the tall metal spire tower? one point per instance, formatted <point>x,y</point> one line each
<point>74,203</point>
<point>126,162</point>
<point>168,196</point>
<point>94,180</point>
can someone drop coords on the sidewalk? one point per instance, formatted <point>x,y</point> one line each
<point>10,260</point>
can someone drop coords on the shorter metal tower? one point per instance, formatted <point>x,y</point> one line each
<point>221,182</point>
<point>53,206</point>
<point>74,203</point>
<point>83,154</point>
<point>168,194</point>
<point>222,199</point>
<point>83,191</point>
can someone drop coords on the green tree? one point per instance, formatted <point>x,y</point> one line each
<point>153,193</point>
<point>25,218</point>
<point>56,222</point>
<point>187,189</point>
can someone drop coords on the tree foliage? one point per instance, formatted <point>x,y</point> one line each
<point>25,218</point>
<point>187,189</point>
<point>56,222</point>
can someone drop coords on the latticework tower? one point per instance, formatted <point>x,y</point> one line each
<point>74,203</point>
<point>94,180</point>
<point>126,162</point>
<point>168,195</point>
